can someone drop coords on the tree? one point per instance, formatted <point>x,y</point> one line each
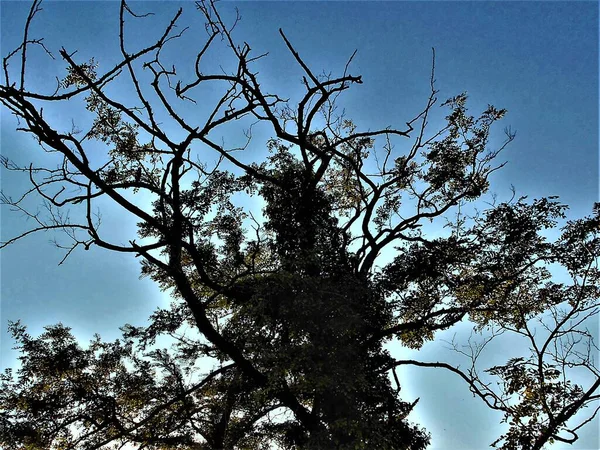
<point>291,319</point>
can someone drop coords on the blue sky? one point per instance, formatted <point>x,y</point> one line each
<point>539,60</point>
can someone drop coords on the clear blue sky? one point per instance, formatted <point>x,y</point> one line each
<point>537,59</point>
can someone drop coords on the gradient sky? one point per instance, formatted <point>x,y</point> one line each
<point>539,60</point>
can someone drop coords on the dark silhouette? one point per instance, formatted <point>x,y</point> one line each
<point>290,310</point>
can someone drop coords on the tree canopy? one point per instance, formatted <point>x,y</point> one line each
<point>290,308</point>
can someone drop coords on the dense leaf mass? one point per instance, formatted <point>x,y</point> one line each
<point>283,302</point>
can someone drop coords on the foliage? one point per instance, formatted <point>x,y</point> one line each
<point>289,310</point>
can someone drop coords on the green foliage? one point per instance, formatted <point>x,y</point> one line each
<point>279,317</point>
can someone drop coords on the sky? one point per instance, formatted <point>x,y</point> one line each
<point>539,60</point>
